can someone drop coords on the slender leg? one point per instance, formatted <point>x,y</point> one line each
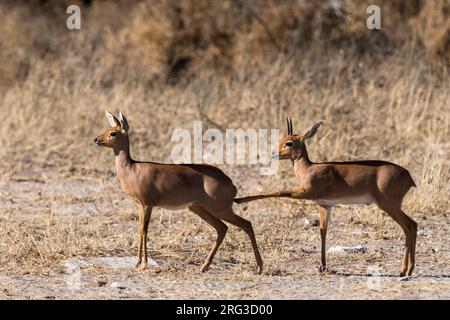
<point>324,215</point>
<point>405,258</point>
<point>141,236</point>
<point>231,217</point>
<point>147,216</point>
<point>409,227</point>
<point>412,228</point>
<point>220,227</point>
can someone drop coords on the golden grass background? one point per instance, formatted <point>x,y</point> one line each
<point>233,64</point>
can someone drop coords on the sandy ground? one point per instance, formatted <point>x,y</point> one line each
<point>97,263</point>
<point>101,282</point>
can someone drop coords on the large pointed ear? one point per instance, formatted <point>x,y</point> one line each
<point>123,122</point>
<point>311,132</point>
<point>113,122</point>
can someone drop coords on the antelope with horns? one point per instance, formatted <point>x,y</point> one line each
<point>356,182</point>
<point>204,189</point>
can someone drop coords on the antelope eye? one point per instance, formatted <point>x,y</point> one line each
<point>288,144</point>
<point>113,134</point>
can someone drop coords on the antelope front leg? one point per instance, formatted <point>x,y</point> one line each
<point>141,237</point>
<point>324,216</point>
<point>147,215</point>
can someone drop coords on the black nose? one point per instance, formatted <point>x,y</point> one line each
<point>96,140</point>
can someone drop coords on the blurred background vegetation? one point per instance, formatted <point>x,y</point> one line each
<point>172,41</point>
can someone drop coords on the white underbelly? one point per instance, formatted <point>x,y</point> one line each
<point>366,199</point>
<point>177,206</point>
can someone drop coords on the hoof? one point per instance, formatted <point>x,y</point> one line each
<point>157,270</point>
<point>259,270</point>
<point>323,269</point>
<point>141,266</point>
<point>204,268</point>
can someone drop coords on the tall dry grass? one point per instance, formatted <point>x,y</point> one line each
<point>392,105</point>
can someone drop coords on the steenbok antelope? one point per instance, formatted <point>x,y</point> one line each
<point>204,189</point>
<point>356,182</point>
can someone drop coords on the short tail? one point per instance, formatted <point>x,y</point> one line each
<point>412,182</point>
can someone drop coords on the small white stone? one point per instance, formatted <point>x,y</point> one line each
<point>422,233</point>
<point>346,250</point>
<point>117,285</point>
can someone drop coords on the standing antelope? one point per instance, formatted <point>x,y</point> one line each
<point>204,189</point>
<point>356,182</point>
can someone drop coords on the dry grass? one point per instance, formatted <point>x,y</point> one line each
<point>58,197</point>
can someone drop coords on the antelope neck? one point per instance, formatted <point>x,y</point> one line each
<point>302,162</point>
<point>122,155</point>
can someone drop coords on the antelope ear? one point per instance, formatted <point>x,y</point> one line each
<point>113,122</point>
<point>311,132</point>
<point>123,122</point>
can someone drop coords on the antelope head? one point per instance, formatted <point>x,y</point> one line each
<point>116,135</point>
<point>292,146</point>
